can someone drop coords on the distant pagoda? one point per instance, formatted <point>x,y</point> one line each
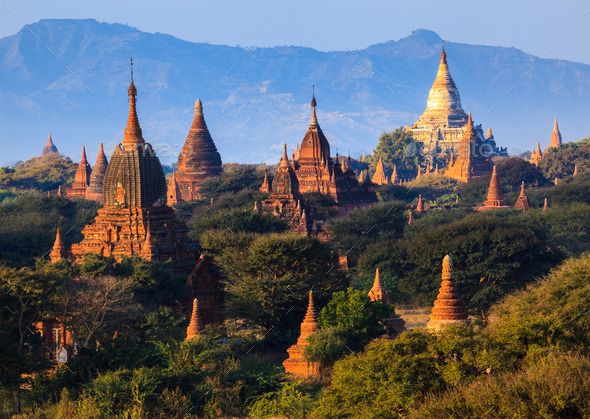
<point>522,202</point>
<point>296,364</point>
<point>380,178</point>
<point>95,189</point>
<point>59,251</point>
<point>536,155</point>
<point>448,308</point>
<point>135,220</point>
<point>495,199</point>
<point>394,324</point>
<point>555,141</point>
<point>195,326</point>
<point>471,160</point>
<point>49,147</point>
<point>198,160</point>
<point>441,126</point>
<point>81,178</point>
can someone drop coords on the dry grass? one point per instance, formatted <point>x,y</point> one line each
<point>415,318</point>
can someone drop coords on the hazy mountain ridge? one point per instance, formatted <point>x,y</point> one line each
<point>71,77</point>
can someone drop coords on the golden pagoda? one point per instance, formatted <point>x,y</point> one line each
<point>470,161</point>
<point>95,190</point>
<point>448,308</point>
<point>81,178</point>
<point>522,202</point>
<point>380,178</point>
<point>495,199</point>
<point>296,364</point>
<point>198,159</point>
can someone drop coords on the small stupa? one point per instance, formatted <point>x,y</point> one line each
<point>394,179</point>
<point>265,187</point>
<point>575,170</point>
<point>81,178</point>
<point>420,206</point>
<point>555,136</point>
<point>522,203</point>
<point>495,199</point>
<point>95,190</point>
<point>296,364</point>
<point>448,308</point>
<point>394,324</point>
<point>380,178</point>
<point>195,327</point>
<point>59,251</point>
<point>545,204</point>
<point>410,218</point>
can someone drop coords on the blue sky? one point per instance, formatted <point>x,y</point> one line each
<point>544,28</point>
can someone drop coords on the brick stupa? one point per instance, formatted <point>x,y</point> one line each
<point>58,251</point>
<point>95,190</point>
<point>195,326</point>
<point>380,178</point>
<point>448,308</point>
<point>420,205</point>
<point>394,324</point>
<point>495,199</point>
<point>49,147</point>
<point>536,155</point>
<point>135,216</point>
<point>296,364</point>
<point>522,202</point>
<point>555,141</point>
<point>199,158</point>
<point>471,161</point>
<point>265,187</point>
<point>81,178</point>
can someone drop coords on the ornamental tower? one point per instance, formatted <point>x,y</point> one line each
<point>199,158</point>
<point>135,220</point>
<point>448,308</point>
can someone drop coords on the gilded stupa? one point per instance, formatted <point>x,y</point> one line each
<point>441,126</point>
<point>199,158</point>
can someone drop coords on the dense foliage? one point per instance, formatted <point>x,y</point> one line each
<point>399,149</point>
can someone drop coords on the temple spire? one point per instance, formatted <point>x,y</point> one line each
<point>133,134</point>
<point>58,252</point>
<point>314,118</point>
<point>284,159</point>
<point>49,147</point>
<point>265,187</point>
<point>522,202</point>
<point>377,292</point>
<point>195,327</point>
<point>555,135</point>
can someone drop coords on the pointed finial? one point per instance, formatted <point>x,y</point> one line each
<point>198,106</point>
<point>83,159</point>
<point>131,66</point>
<point>284,158</point>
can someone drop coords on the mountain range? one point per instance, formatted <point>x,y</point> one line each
<point>70,77</point>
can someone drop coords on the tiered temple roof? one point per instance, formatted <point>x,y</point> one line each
<point>471,160</point>
<point>522,202</point>
<point>135,216</point>
<point>81,178</point>
<point>49,147</point>
<point>448,308</point>
<point>495,199</point>
<point>95,189</point>
<point>199,158</point>
<point>296,364</point>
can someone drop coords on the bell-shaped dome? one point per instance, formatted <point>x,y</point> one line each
<point>443,107</point>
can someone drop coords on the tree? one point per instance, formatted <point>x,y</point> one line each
<point>399,149</point>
